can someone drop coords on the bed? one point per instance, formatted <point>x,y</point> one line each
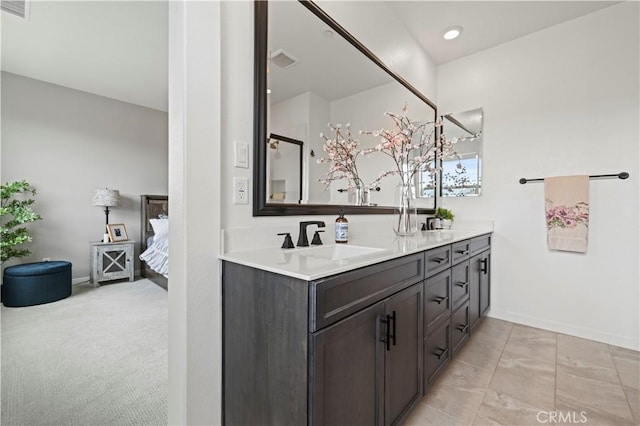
<point>154,241</point>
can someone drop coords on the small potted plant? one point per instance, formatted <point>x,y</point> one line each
<point>445,216</point>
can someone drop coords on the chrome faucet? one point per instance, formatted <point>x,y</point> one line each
<point>303,241</point>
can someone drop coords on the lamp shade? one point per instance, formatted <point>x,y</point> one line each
<point>106,197</point>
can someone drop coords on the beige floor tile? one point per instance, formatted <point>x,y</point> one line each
<point>527,380</point>
<point>628,367</point>
<point>495,326</point>
<point>593,372</point>
<point>598,398</point>
<point>456,401</point>
<point>584,352</point>
<point>633,398</point>
<point>624,352</point>
<point>532,343</point>
<point>424,415</point>
<point>480,352</point>
<point>502,409</point>
<point>590,416</point>
<point>482,421</point>
<point>465,375</point>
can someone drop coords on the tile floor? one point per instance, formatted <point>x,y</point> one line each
<point>509,374</point>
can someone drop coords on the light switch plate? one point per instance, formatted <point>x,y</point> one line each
<point>241,154</point>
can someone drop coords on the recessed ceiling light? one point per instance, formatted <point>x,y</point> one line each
<point>452,32</point>
<point>328,33</point>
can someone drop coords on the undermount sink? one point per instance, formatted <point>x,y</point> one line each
<point>338,251</point>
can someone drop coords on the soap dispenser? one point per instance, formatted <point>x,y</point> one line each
<point>342,228</point>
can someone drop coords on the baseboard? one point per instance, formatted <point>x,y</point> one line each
<point>79,280</point>
<point>572,330</point>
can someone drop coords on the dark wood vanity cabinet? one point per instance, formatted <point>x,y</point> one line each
<point>367,368</point>
<point>359,347</point>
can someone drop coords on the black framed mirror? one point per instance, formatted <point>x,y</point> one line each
<point>293,77</point>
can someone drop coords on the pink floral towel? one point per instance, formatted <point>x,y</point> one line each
<point>567,212</point>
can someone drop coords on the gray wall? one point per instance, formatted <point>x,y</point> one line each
<point>68,143</point>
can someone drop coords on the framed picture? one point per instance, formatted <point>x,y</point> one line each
<point>117,232</point>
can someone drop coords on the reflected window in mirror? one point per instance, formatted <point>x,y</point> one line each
<point>461,174</point>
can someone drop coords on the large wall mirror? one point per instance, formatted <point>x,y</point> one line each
<point>310,72</point>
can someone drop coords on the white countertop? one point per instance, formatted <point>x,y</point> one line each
<point>301,263</point>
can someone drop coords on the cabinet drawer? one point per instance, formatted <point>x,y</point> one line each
<point>437,260</point>
<point>460,251</point>
<point>436,352</point>
<point>337,297</point>
<point>460,275</point>
<point>459,327</point>
<point>437,300</point>
<point>479,244</point>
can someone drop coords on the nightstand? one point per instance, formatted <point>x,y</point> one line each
<point>111,261</point>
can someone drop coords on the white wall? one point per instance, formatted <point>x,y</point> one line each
<point>67,144</point>
<point>559,102</point>
<point>195,354</point>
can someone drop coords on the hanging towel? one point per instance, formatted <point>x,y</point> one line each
<point>567,212</point>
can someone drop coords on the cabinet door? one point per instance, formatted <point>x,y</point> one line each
<point>474,290</point>
<point>403,359</point>
<point>485,282</point>
<point>348,370</point>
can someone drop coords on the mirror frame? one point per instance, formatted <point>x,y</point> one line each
<point>260,205</point>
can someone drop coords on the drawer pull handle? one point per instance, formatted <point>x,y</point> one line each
<point>439,300</point>
<point>440,259</point>
<point>462,328</point>
<point>441,353</point>
<point>462,251</point>
<point>462,284</point>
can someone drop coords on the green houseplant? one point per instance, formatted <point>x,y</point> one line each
<point>445,216</point>
<point>15,211</point>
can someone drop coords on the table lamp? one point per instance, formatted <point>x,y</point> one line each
<point>106,198</point>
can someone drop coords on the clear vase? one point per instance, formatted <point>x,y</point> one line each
<point>359,195</point>
<point>405,213</point>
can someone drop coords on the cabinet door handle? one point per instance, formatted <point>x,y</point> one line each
<point>387,339</point>
<point>439,300</point>
<point>462,328</point>
<point>441,353</point>
<point>462,251</point>
<point>484,263</point>
<point>462,284</point>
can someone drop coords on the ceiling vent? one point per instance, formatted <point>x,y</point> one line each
<point>283,59</point>
<point>15,7</point>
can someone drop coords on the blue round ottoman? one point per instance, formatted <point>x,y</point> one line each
<point>36,283</point>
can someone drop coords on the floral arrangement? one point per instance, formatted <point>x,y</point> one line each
<point>342,151</point>
<point>567,216</point>
<point>411,146</point>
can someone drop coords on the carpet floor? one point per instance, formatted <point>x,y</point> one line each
<point>98,357</point>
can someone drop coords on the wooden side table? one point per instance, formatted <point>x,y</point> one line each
<point>111,261</point>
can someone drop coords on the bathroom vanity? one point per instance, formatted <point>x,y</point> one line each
<point>347,336</point>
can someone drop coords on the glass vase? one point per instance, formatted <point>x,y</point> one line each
<point>362,196</point>
<point>405,213</point>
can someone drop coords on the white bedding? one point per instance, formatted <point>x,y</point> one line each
<point>157,254</point>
